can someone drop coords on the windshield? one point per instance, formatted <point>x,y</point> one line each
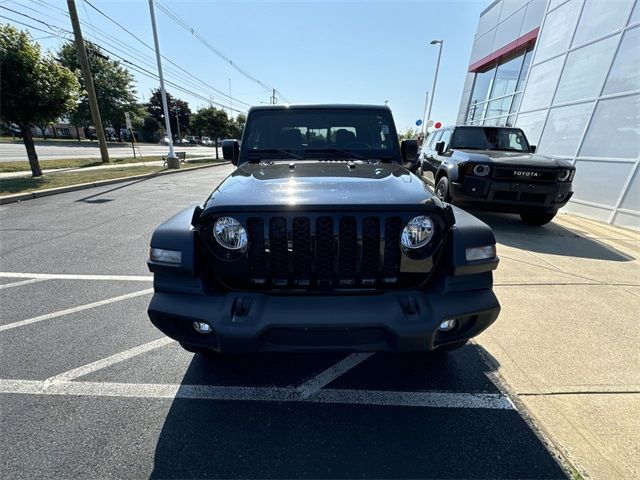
<point>490,138</point>
<point>320,133</point>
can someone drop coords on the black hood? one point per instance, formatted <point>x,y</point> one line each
<point>499,157</point>
<point>320,183</point>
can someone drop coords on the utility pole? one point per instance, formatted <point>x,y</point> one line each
<point>435,77</point>
<point>172,160</point>
<point>177,110</point>
<point>88,81</point>
<point>424,113</point>
<point>274,100</point>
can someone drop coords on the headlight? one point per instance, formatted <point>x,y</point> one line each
<point>564,175</point>
<point>481,170</point>
<point>417,233</point>
<point>480,253</point>
<point>230,234</point>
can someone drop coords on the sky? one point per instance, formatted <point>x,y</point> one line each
<point>311,51</point>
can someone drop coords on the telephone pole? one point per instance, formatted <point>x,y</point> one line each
<point>88,81</point>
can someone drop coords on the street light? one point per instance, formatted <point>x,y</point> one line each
<point>435,77</point>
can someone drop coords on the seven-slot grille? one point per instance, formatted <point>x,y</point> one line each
<point>525,174</point>
<point>324,251</point>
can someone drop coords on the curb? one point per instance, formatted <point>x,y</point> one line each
<point>19,197</point>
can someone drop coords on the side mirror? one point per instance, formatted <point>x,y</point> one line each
<point>532,148</point>
<point>409,151</point>
<point>440,147</point>
<point>231,150</point>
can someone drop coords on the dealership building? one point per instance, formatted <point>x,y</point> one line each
<point>568,73</point>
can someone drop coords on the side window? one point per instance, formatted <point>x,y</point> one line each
<point>435,138</point>
<point>446,136</point>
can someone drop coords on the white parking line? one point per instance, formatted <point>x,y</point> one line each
<point>23,282</point>
<point>65,276</point>
<point>330,374</point>
<point>69,311</point>
<point>493,401</point>
<point>108,361</point>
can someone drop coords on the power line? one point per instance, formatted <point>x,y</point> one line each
<point>133,66</point>
<point>173,16</point>
<point>141,56</point>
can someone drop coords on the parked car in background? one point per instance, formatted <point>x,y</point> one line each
<point>206,141</point>
<point>495,168</point>
<point>322,240</point>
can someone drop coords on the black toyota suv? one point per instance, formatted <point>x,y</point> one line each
<point>322,239</point>
<point>495,168</point>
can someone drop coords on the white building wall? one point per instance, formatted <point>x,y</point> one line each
<point>582,102</point>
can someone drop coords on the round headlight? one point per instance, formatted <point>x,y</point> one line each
<point>417,233</point>
<point>230,234</point>
<point>564,175</point>
<point>481,170</point>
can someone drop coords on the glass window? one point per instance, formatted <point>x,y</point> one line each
<point>554,3</point>
<point>525,69</point>
<point>499,107</point>
<point>515,105</point>
<point>542,81</point>
<point>531,124</point>
<point>615,129</point>
<point>625,72</point>
<point>482,86</point>
<point>600,17</point>
<point>446,135</point>
<point>435,138</point>
<point>556,32</point>
<point>476,111</point>
<point>591,177</point>
<point>489,138</point>
<point>507,76</point>
<point>631,200</point>
<point>635,16</point>
<point>564,129</point>
<point>584,72</point>
<point>511,121</point>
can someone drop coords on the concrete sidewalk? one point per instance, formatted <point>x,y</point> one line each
<point>566,342</point>
<point>157,163</point>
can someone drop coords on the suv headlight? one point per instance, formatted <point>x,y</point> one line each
<point>229,233</point>
<point>418,232</point>
<point>564,175</point>
<point>481,170</point>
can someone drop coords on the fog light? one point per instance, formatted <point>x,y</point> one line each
<point>449,324</point>
<point>202,327</point>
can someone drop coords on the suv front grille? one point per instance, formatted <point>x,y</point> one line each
<point>322,252</point>
<point>525,174</point>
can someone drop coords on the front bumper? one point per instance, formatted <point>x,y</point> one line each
<point>510,197</point>
<point>254,322</point>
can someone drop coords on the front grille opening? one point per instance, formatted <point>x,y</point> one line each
<point>321,253</point>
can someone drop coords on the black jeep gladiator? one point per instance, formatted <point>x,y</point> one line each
<point>322,239</point>
<point>495,168</point>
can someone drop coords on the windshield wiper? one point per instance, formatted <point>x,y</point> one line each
<point>469,148</point>
<point>348,153</point>
<point>275,151</point>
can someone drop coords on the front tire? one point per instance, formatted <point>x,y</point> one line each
<point>442,190</point>
<point>536,219</point>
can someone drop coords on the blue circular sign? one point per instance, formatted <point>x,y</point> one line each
<point>419,122</point>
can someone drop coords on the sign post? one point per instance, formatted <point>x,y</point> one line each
<point>127,118</point>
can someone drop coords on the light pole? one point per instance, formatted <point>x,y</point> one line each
<point>172,160</point>
<point>424,113</point>
<point>178,121</point>
<point>435,77</point>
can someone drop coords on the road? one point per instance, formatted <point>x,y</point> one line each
<point>57,151</point>
<point>89,389</point>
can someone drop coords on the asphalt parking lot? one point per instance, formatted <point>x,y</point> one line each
<point>89,389</point>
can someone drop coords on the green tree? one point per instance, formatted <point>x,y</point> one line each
<point>237,126</point>
<point>34,88</point>
<point>409,133</point>
<point>150,130</point>
<point>213,123</point>
<point>113,83</point>
<point>175,105</point>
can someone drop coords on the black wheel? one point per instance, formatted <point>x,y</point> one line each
<point>442,190</point>
<point>537,218</point>
<point>196,349</point>
<point>450,347</point>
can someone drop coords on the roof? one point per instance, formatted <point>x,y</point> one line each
<point>328,106</point>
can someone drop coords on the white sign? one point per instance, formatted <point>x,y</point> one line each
<point>127,118</point>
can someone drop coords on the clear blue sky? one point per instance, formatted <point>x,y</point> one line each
<point>312,51</point>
